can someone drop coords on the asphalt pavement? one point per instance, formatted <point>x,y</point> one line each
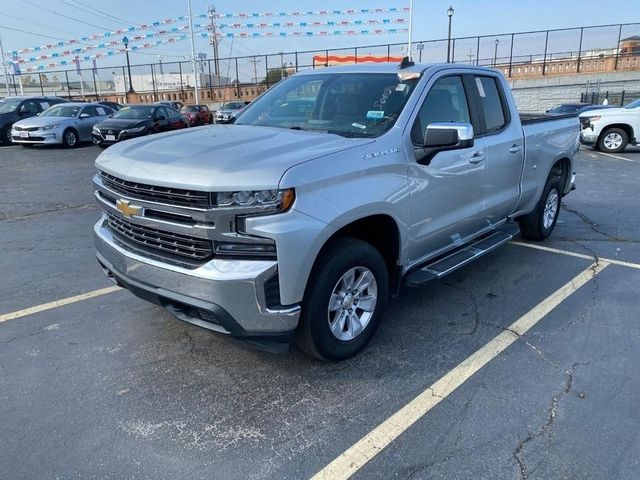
<point>113,387</point>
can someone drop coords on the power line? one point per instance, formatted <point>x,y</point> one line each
<point>31,33</point>
<point>31,22</point>
<point>90,12</point>
<point>103,13</point>
<point>66,16</point>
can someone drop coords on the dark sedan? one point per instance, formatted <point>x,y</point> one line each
<point>13,109</point>
<point>136,121</point>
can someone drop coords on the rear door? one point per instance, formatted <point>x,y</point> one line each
<point>446,200</point>
<point>504,145</point>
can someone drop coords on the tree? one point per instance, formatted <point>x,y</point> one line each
<point>274,75</point>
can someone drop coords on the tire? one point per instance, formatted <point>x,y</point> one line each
<point>70,138</point>
<point>6,135</point>
<point>539,224</point>
<point>323,308</point>
<point>613,140</point>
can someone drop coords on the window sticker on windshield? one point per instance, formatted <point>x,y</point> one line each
<point>401,87</point>
<point>375,114</point>
<point>480,88</point>
<point>359,125</point>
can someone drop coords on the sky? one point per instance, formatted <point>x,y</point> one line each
<point>66,19</point>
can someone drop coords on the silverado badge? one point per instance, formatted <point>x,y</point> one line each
<point>127,209</point>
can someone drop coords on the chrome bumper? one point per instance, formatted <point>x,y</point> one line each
<point>588,137</point>
<point>229,293</point>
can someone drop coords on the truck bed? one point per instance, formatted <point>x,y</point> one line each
<point>529,118</point>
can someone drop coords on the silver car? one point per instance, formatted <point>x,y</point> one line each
<point>65,124</point>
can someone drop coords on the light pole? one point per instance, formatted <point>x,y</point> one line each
<point>125,40</point>
<point>495,52</point>
<point>449,14</point>
<point>193,56</point>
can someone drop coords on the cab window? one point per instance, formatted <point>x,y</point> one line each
<point>493,108</point>
<point>445,102</point>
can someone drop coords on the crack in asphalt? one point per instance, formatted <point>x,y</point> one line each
<point>547,426</point>
<point>474,305</point>
<point>4,216</point>
<point>189,338</point>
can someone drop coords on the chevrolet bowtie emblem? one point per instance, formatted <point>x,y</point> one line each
<point>127,209</point>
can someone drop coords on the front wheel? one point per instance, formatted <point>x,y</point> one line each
<point>344,300</point>
<point>539,224</point>
<point>613,140</point>
<point>70,138</point>
<point>6,135</point>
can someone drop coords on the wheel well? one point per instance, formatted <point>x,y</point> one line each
<point>381,231</point>
<point>622,126</point>
<point>560,170</point>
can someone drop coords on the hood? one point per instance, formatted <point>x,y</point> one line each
<point>121,123</point>
<point>604,111</point>
<point>235,157</point>
<point>43,121</point>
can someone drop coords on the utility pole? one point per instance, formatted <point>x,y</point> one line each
<point>255,61</point>
<point>193,55</point>
<point>4,66</point>
<point>214,42</point>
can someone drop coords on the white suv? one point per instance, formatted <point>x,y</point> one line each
<point>611,129</point>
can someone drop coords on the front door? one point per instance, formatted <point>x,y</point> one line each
<point>446,202</point>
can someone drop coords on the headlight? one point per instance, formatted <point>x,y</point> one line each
<point>95,130</point>
<point>263,200</point>
<point>136,129</point>
<point>594,118</point>
<point>49,127</point>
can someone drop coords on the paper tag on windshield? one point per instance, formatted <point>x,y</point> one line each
<point>401,87</point>
<point>375,114</point>
<point>480,87</point>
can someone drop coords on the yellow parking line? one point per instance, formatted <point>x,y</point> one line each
<point>353,459</point>
<point>574,254</point>
<point>57,303</point>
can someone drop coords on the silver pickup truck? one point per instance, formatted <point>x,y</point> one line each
<point>325,195</point>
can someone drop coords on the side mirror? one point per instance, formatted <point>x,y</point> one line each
<point>84,115</point>
<point>440,137</point>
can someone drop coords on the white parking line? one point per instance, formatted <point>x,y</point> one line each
<point>352,460</point>
<point>617,156</point>
<point>568,253</point>
<point>57,303</point>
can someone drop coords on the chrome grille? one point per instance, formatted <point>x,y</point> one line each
<point>18,128</point>
<point>169,243</point>
<point>171,196</point>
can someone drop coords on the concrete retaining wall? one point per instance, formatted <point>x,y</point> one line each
<point>542,93</point>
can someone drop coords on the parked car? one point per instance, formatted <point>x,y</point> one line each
<point>135,121</point>
<point>228,111</point>
<point>65,124</point>
<point>197,114</point>
<point>13,109</point>
<point>112,105</point>
<point>301,228</point>
<point>610,130</point>
<point>172,104</point>
<point>573,108</point>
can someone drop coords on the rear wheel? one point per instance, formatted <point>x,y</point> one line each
<point>344,301</point>
<point>613,140</point>
<point>70,138</point>
<point>539,224</point>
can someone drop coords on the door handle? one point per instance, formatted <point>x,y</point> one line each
<point>477,157</point>
<point>515,148</point>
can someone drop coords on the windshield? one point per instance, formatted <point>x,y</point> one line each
<point>134,112</point>
<point>347,104</point>
<point>67,111</point>
<point>189,109</point>
<point>232,106</point>
<point>8,106</point>
<point>634,104</point>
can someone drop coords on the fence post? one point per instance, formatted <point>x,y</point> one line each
<point>181,83</point>
<point>615,65</point>
<point>210,82</point>
<point>66,76</point>
<point>41,87</point>
<point>453,50</point>
<point>544,60</point>
<point>237,80</point>
<point>153,83</point>
<point>580,49</point>
<point>326,58</point>
<point>95,84</point>
<point>296,53</point>
<point>622,99</point>
<point>266,68</point>
<point>478,52</point>
<point>511,55</point>
<point>388,53</point>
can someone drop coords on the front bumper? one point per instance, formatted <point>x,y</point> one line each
<point>225,296</point>
<point>98,139</point>
<point>38,137</point>
<point>588,137</point>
